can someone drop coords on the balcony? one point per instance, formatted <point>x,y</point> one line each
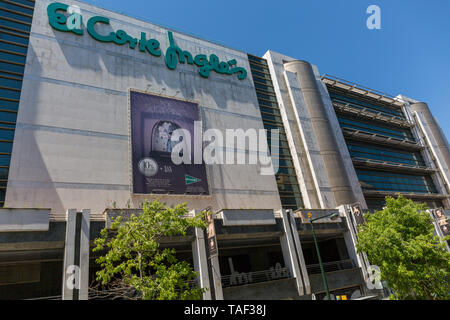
<point>411,195</point>
<point>390,166</point>
<point>331,266</point>
<point>342,84</point>
<point>263,285</point>
<point>361,135</point>
<point>239,279</point>
<point>363,112</point>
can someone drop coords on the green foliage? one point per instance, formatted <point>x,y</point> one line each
<point>134,258</point>
<point>400,241</point>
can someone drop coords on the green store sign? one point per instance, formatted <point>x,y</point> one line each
<point>174,54</point>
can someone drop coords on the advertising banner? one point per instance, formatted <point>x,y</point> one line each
<point>161,128</point>
<point>357,213</point>
<point>212,241</point>
<point>441,216</point>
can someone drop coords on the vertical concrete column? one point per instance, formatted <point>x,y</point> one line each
<point>350,238</point>
<point>84,254</point>
<point>299,251</point>
<point>327,144</point>
<point>76,255</point>
<point>201,262</point>
<point>291,255</point>
<point>436,131</point>
<point>69,280</point>
<point>217,278</point>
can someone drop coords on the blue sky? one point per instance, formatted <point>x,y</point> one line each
<point>409,55</point>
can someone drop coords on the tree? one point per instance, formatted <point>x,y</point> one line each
<point>136,267</point>
<point>399,239</point>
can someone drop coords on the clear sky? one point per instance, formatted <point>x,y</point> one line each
<point>408,55</point>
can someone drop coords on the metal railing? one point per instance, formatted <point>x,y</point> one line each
<point>359,160</point>
<point>331,266</point>
<point>371,114</point>
<point>239,279</point>
<point>382,139</point>
<point>333,80</point>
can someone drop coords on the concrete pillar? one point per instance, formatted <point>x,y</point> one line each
<point>217,278</point>
<point>293,255</point>
<point>69,273</point>
<point>436,131</point>
<point>76,256</point>
<point>201,262</point>
<point>84,254</point>
<point>327,144</point>
<point>299,251</point>
<point>350,238</point>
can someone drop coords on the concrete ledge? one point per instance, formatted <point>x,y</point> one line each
<point>284,289</point>
<point>17,220</point>
<point>250,217</point>
<point>337,280</point>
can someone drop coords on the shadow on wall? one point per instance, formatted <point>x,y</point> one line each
<point>28,170</point>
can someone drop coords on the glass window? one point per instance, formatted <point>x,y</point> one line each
<point>259,74</point>
<point>361,104</point>
<point>395,182</point>
<point>12,57</point>
<point>262,81</point>
<point>388,154</point>
<point>5,147</point>
<point>5,159</point>
<point>9,105</point>
<point>10,83</point>
<point>6,134</point>
<point>16,16</point>
<point>13,38</point>
<point>10,94</point>
<point>12,47</point>
<point>13,7</point>
<point>4,173</point>
<point>16,25</point>
<point>4,66</point>
<point>374,127</point>
<point>264,87</point>
<point>29,3</point>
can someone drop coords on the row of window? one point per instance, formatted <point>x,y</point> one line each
<point>378,180</point>
<point>288,188</point>
<point>373,127</point>
<point>395,182</point>
<point>360,104</point>
<point>379,203</point>
<point>359,150</point>
<point>15,25</point>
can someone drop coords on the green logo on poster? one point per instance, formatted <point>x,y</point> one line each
<point>173,56</point>
<point>191,180</point>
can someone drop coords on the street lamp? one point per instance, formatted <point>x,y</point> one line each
<point>332,216</point>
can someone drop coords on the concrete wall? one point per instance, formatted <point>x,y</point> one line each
<point>309,166</point>
<point>285,289</point>
<point>71,147</point>
<point>317,172</point>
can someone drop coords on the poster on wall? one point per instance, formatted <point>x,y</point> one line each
<point>357,212</point>
<point>441,218</point>
<point>160,127</point>
<point>212,241</point>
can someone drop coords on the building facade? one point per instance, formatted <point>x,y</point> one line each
<point>94,103</point>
